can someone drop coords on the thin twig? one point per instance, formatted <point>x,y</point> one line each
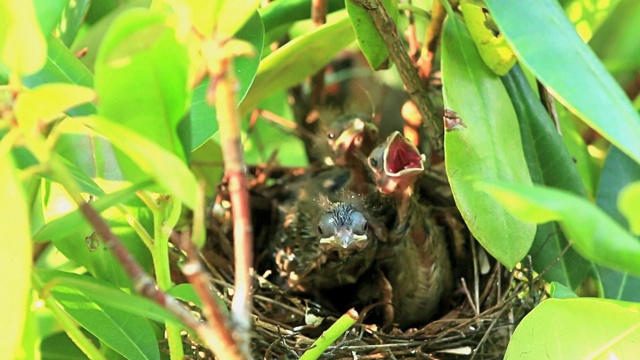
<point>549,104</point>
<point>228,121</point>
<point>432,37</point>
<point>408,73</point>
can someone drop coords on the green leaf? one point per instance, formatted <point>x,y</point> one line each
<point>574,69</point>
<point>104,293</point>
<point>297,59</point>
<point>493,49</point>
<point>559,291</point>
<point>23,47</point>
<point>586,17</point>
<point>72,19</point>
<point>59,346</point>
<point>599,329</point>
<point>371,43</point>
<point>618,171</point>
<point>202,115</point>
<point>67,224</point>
<point>281,13</point>
<point>151,160</point>
<point>549,164</point>
<point>141,77</point>
<point>127,333</point>
<point>62,66</point>
<point>595,235</point>
<point>49,13</point>
<point>487,148</point>
<point>15,256</point>
<point>43,103</point>
<point>628,203</point>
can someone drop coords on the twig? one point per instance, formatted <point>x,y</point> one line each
<point>432,36</point>
<point>549,104</point>
<point>408,73</point>
<point>228,121</point>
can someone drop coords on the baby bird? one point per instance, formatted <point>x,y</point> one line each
<point>415,257</point>
<point>324,241</point>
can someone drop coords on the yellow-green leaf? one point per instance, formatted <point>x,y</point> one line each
<point>494,49</point>
<point>15,256</point>
<point>45,102</point>
<point>371,43</point>
<point>629,205</point>
<point>22,46</point>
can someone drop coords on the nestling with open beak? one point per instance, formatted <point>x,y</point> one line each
<point>415,258</point>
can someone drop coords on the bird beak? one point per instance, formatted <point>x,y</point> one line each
<point>402,164</point>
<point>351,138</point>
<point>345,239</point>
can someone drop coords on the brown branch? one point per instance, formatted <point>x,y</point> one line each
<point>549,104</point>
<point>214,335</point>
<point>408,73</point>
<point>228,121</point>
<point>432,37</point>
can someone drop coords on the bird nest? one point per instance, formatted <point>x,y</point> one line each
<point>488,303</point>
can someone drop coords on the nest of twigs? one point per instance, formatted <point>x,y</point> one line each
<point>483,311</point>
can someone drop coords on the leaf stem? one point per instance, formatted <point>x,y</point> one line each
<point>327,338</point>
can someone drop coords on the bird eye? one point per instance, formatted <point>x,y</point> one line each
<point>359,224</point>
<point>373,162</point>
<point>332,135</point>
<point>375,159</point>
<point>327,225</point>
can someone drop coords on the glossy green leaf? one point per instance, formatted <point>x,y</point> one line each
<point>549,164</point>
<point>279,13</point>
<point>49,13</point>
<point>23,47</point>
<point>559,291</point>
<point>297,59</point>
<point>574,70</point>
<point>15,256</point>
<point>72,19</point>
<point>141,77</point>
<point>106,294</point>
<point>42,104</point>
<point>127,333</point>
<point>59,346</point>
<point>487,148</point>
<point>62,66</point>
<point>619,170</point>
<point>202,115</point>
<point>629,205</point>
<point>67,224</point>
<point>599,329</point>
<point>371,43</point>
<point>585,163</point>
<point>493,49</point>
<point>155,162</point>
<point>595,235</point>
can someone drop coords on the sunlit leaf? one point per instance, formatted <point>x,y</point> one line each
<point>629,205</point>
<point>574,70</point>
<point>234,14</point>
<point>493,49</point>
<point>15,255</point>
<point>297,59</point>
<point>23,47</point>
<point>607,330</point>
<point>595,235</point>
<point>487,148</point>
<point>141,77</point>
<point>155,162</point>
<point>127,333</point>
<point>40,105</point>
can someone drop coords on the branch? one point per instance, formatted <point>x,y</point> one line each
<point>408,73</point>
